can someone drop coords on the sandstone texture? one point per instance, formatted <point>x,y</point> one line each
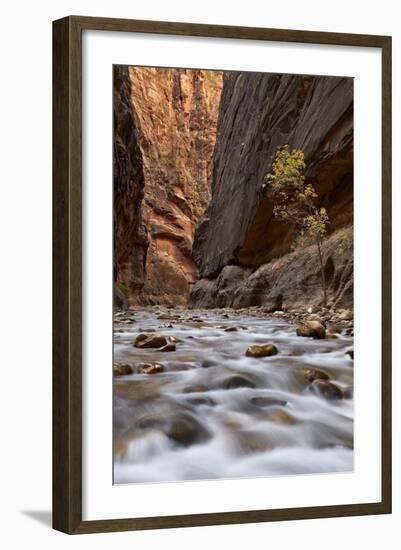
<point>130,239</point>
<point>191,219</point>
<point>290,282</point>
<point>165,127</point>
<point>243,254</point>
<point>258,113</point>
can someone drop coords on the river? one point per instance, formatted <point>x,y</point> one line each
<point>214,412</point>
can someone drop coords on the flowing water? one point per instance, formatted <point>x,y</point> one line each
<point>216,413</point>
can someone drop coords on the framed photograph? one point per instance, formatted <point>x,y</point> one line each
<point>217,192</point>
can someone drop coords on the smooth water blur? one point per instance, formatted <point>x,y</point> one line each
<point>230,434</point>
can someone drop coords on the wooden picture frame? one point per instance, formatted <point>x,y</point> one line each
<point>67,274</point>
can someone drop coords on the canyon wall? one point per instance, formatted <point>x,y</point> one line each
<point>165,129</point>
<point>243,254</point>
<point>130,236</point>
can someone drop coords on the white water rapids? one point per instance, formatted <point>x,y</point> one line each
<point>227,431</point>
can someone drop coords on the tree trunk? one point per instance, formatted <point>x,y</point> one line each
<point>322,272</point>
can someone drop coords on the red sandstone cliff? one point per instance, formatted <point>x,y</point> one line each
<point>169,127</point>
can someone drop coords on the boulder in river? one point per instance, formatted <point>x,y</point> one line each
<point>312,374</point>
<point>281,417</point>
<point>316,317</point>
<point>237,381</point>
<point>311,329</point>
<point>263,401</point>
<point>187,430</point>
<point>168,317</point>
<point>122,369</point>
<point>326,389</point>
<point>150,340</point>
<point>348,392</point>
<point>170,346</point>
<point>150,368</point>
<point>206,364</point>
<point>195,388</point>
<point>263,350</point>
<point>152,421</point>
<point>252,441</point>
<point>350,353</point>
<point>201,400</point>
<point>335,328</point>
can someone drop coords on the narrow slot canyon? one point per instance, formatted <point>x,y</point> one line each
<point>190,158</point>
<point>229,359</point>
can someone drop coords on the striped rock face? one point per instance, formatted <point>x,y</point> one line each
<point>165,130</point>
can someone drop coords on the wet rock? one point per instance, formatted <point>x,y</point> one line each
<point>195,388</point>
<point>150,368</point>
<point>206,364</point>
<point>119,314</point>
<point>326,389</point>
<point>348,392</point>
<point>201,400</point>
<point>170,346</point>
<point>350,353</point>
<point>152,421</point>
<point>237,381</point>
<point>263,350</point>
<point>187,430</point>
<point>168,317</point>
<point>311,329</point>
<point>281,417</point>
<point>316,317</point>
<point>150,340</point>
<point>310,375</point>
<point>180,366</point>
<point>267,401</point>
<point>230,329</point>
<point>335,328</point>
<point>120,447</point>
<point>122,369</point>
<point>252,441</point>
<point>142,391</point>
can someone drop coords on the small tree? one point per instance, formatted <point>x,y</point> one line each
<point>294,202</point>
